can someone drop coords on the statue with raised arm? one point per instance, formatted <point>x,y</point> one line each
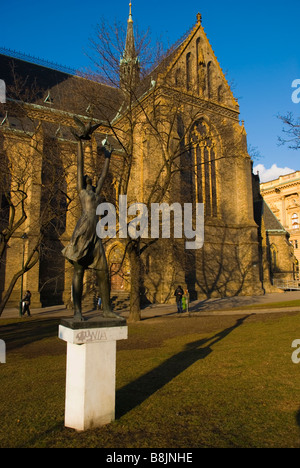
<point>85,249</point>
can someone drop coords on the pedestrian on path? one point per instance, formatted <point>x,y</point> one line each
<point>185,301</point>
<point>26,303</point>
<point>179,294</point>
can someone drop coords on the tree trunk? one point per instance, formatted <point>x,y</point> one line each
<point>28,265</point>
<point>135,269</point>
<point>9,291</point>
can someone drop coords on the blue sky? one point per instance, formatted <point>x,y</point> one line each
<point>256,43</point>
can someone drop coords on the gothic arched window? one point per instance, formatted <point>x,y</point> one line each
<point>188,71</point>
<point>201,78</point>
<point>273,254</point>
<point>204,156</point>
<point>209,80</point>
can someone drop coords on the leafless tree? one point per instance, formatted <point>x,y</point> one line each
<point>155,111</point>
<point>32,182</point>
<point>291,131</point>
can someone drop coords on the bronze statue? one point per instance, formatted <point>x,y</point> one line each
<point>85,249</point>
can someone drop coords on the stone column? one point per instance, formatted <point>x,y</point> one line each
<point>283,213</point>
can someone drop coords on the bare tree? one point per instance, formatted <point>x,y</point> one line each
<point>154,120</point>
<point>158,127</point>
<point>291,131</point>
<point>33,203</point>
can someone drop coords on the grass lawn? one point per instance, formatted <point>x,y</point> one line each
<point>182,382</point>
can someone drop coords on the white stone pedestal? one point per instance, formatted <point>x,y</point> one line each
<point>91,370</point>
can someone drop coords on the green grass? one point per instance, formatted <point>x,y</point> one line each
<point>182,382</point>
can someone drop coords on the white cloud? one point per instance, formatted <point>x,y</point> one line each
<point>274,172</point>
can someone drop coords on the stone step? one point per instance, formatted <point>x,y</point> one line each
<point>120,300</point>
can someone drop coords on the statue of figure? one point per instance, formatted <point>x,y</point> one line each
<point>85,249</point>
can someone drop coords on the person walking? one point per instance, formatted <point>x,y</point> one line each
<point>185,301</point>
<point>26,303</point>
<point>179,294</point>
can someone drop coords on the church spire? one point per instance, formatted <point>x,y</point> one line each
<point>129,64</point>
<point>129,52</point>
<point>130,13</point>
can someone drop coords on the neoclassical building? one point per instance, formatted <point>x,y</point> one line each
<point>282,196</point>
<point>177,138</point>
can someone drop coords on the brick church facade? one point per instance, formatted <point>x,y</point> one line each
<point>179,130</point>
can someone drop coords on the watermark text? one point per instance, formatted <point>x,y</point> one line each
<point>2,92</point>
<point>296,353</point>
<point>296,93</point>
<point>2,352</point>
<point>187,221</point>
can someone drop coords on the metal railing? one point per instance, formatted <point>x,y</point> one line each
<point>38,61</point>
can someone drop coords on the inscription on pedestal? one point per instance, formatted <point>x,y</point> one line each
<point>92,335</point>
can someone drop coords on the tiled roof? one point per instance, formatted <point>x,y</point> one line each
<point>38,84</point>
<point>262,210</point>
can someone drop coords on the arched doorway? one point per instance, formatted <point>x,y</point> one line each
<point>117,277</point>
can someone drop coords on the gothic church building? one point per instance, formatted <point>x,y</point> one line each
<point>177,138</point>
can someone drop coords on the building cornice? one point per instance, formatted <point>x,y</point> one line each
<point>271,186</point>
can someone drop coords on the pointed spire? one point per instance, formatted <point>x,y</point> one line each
<point>130,13</point>
<point>129,52</point>
<point>129,63</point>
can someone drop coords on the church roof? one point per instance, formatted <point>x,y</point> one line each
<point>83,95</point>
<point>271,223</point>
<point>169,61</point>
<point>37,84</point>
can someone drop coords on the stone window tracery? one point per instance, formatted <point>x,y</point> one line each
<point>204,156</point>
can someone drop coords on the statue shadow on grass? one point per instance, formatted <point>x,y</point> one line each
<point>135,393</point>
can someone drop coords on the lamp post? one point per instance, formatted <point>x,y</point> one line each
<point>24,237</point>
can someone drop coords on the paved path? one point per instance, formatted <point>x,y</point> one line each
<point>224,306</point>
